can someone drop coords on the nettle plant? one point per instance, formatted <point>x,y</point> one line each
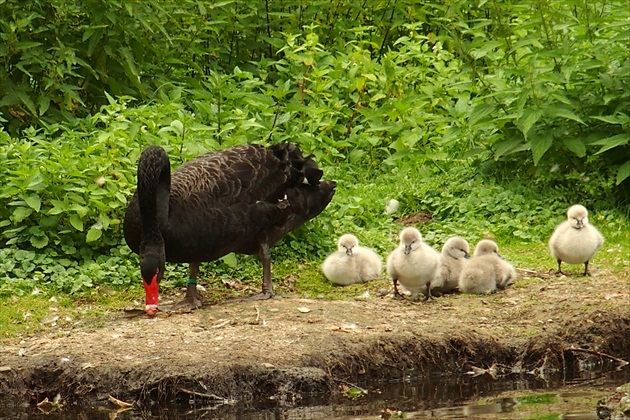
<point>67,186</point>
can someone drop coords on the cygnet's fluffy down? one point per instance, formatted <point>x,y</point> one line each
<point>575,241</point>
<point>351,263</point>
<point>487,271</point>
<point>454,255</point>
<point>413,264</point>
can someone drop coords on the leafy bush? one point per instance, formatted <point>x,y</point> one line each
<point>492,116</point>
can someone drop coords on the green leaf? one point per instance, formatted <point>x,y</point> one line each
<point>614,119</point>
<point>93,234</point>
<point>505,147</point>
<point>485,49</point>
<point>26,100</point>
<point>230,260</point>
<point>179,127</point>
<point>540,145</point>
<point>21,213</point>
<point>528,119</point>
<point>34,202</point>
<point>612,142</point>
<point>623,172</point>
<point>555,111</point>
<point>39,241</point>
<point>576,146</point>
<point>81,210</point>
<point>479,112</point>
<point>44,104</point>
<point>76,222</point>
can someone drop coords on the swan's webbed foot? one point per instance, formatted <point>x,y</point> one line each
<point>264,295</point>
<point>192,300</point>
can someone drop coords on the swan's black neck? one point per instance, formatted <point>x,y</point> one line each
<point>154,184</point>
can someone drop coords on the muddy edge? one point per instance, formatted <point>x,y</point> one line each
<point>556,350</point>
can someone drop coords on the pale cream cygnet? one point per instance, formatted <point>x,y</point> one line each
<point>413,264</point>
<point>454,255</point>
<point>575,241</point>
<point>487,271</point>
<point>351,263</point>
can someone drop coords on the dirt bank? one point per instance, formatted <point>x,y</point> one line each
<point>288,348</point>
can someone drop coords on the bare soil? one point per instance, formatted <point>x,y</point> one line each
<point>291,348</point>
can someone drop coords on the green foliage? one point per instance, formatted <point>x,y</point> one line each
<point>552,77</point>
<point>493,116</point>
<point>22,271</point>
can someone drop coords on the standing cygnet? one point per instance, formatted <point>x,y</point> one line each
<point>575,241</point>
<point>414,264</point>
<point>487,271</point>
<point>351,263</point>
<point>454,255</point>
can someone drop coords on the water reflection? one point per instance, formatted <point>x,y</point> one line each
<point>471,398</point>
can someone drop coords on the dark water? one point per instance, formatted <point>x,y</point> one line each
<point>465,397</point>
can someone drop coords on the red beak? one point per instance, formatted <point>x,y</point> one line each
<point>153,292</point>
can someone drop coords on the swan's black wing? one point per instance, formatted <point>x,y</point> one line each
<point>235,199</point>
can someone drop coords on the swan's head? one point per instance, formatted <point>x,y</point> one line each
<point>347,243</point>
<point>456,248</point>
<point>152,270</point>
<point>486,247</point>
<point>577,216</point>
<point>411,239</point>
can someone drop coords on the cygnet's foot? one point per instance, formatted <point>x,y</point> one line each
<point>397,295</point>
<point>192,300</point>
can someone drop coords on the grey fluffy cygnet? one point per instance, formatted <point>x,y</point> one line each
<point>454,255</point>
<point>575,241</point>
<point>413,264</point>
<point>487,271</point>
<point>351,263</point>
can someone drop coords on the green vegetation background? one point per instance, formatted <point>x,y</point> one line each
<point>491,116</point>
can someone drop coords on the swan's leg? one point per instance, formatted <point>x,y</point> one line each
<point>264,253</point>
<point>193,298</point>
<point>586,273</point>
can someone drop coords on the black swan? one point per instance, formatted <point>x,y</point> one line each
<point>242,199</point>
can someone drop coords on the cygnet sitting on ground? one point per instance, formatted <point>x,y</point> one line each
<point>413,264</point>
<point>351,263</point>
<point>454,255</point>
<point>487,271</point>
<point>575,241</point>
